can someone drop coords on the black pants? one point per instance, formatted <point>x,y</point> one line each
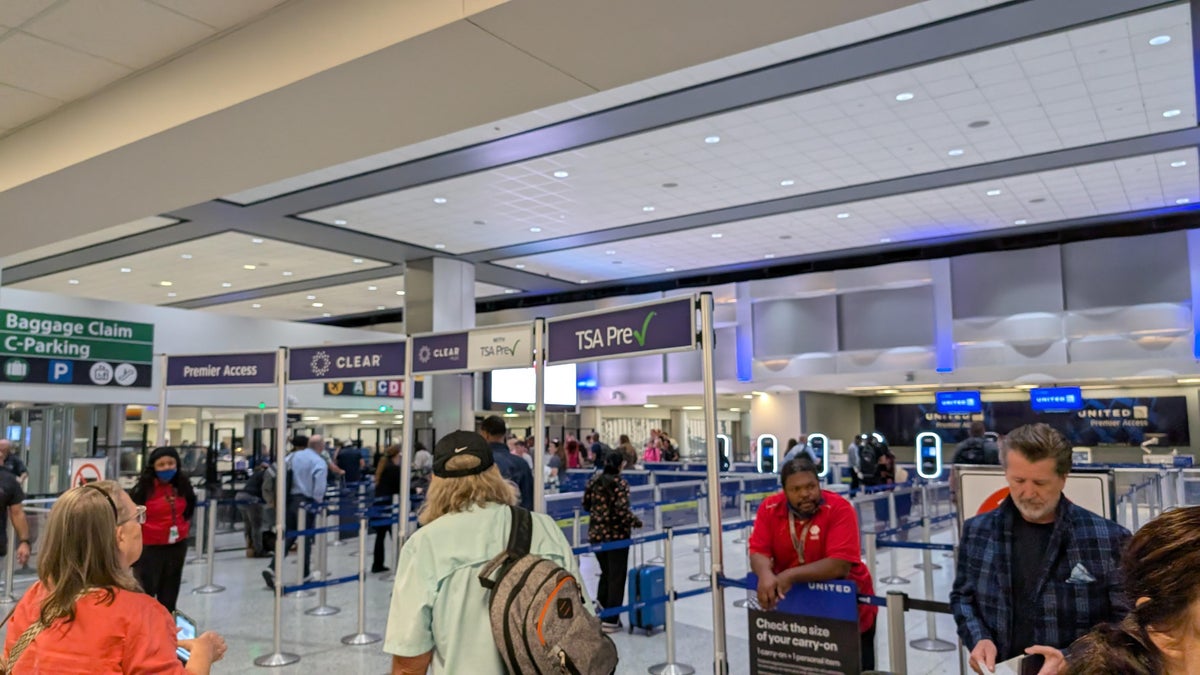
<point>160,569</point>
<point>381,534</point>
<point>868,649</point>
<point>291,521</point>
<point>614,567</point>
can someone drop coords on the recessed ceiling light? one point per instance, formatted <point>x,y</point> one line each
<point>748,396</point>
<point>1178,164</point>
<point>1160,40</point>
<point>287,273</point>
<point>1182,200</point>
<point>712,139</point>
<point>735,410</point>
<point>357,261</point>
<point>843,216</point>
<point>956,152</point>
<point>610,252</point>
<point>125,270</point>
<point>535,230</point>
<point>993,193</point>
<point>185,256</point>
<point>172,294</point>
<point>787,183</point>
<point>439,200</point>
<point>256,306</point>
<point>885,240</point>
<point>509,291</point>
<point>364,421</point>
<point>165,283</point>
<point>399,292</point>
<point>310,297</point>
<point>561,174</point>
<point>439,246</point>
<point>583,281</point>
<point>73,282</point>
<point>348,416</point>
<point>1022,221</point>
<point>318,304</point>
<point>339,221</point>
<point>326,315</point>
<point>1174,112</point>
<point>226,284</point>
<point>769,256</point>
<point>380,307</point>
<point>647,209</point>
<point>249,267</point>
<point>256,240</point>
<point>372,288</point>
<point>888,391</point>
<point>716,235</point>
<point>669,269</point>
<point>649,405</point>
<point>904,96</point>
<point>519,266</point>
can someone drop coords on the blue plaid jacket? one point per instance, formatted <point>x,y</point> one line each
<point>1068,605</point>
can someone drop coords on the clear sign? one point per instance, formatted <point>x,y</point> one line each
<point>642,329</point>
<point>444,352</point>
<point>347,362</point>
<point>814,629</point>
<point>221,370</point>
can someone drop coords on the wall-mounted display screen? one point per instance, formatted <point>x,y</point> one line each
<point>1056,399</point>
<point>517,386</point>
<point>959,402</point>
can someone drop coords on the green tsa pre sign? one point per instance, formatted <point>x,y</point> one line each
<point>53,349</point>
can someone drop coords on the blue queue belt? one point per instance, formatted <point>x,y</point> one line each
<point>320,584</point>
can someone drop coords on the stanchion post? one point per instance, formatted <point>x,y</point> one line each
<point>930,643</point>
<point>670,667</point>
<point>302,523</point>
<point>897,653</point>
<point>870,550</point>
<point>395,538</point>
<point>1135,516</point>
<point>658,523</point>
<point>893,522</point>
<point>278,658</point>
<point>362,637</point>
<point>9,562</point>
<point>745,533</point>
<point>575,528</point>
<point>199,519</point>
<point>322,540</point>
<point>745,602</point>
<point>926,533</point>
<point>211,535</point>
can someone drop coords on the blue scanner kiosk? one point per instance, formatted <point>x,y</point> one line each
<point>768,454</point>
<point>723,455</point>
<point>929,455</point>
<point>819,444</point>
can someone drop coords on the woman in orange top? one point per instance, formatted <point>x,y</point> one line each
<point>86,613</point>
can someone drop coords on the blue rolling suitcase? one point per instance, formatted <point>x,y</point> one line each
<point>646,582</point>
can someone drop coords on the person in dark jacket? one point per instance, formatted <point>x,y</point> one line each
<point>169,499</point>
<point>251,505</point>
<point>387,485</point>
<point>514,469</point>
<point>606,499</point>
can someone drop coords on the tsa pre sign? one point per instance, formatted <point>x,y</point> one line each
<point>221,369</point>
<point>347,362</point>
<point>659,327</point>
<point>495,348</point>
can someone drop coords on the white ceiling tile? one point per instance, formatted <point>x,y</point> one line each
<point>16,12</point>
<point>220,14</point>
<point>37,65</point>
<point>133,33</point>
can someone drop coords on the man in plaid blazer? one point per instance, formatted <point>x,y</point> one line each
<point>1037,572</point>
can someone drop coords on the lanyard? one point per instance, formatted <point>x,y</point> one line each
<point>798,544</point>
<point>171,501</point>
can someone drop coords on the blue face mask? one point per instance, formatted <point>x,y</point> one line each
<point>165,476</point>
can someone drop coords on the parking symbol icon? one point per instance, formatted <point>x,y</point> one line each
<point>61,372</point>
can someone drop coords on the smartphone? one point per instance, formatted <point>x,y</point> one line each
<point>187,631</point>
<point>1025,664</point>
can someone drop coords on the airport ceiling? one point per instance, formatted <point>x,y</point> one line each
<point>915,123</point>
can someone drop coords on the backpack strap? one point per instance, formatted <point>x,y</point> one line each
<point>520,541</point>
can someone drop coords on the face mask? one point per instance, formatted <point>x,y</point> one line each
<point>165,476</point>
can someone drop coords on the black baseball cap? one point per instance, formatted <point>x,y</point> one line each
<point>461,443</point>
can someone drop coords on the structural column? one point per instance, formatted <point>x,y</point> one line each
<point>439,295</point>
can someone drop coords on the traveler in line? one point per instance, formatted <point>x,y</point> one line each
<point>252,507</point>
<point>12,463</point>
<point>86,612</point>
<point>597,451</point>
<point>513,468</point>
<point>1038,571</point>
<point>11,497</point>
<point>422,465</point>
<point>350,460</point>
<point>439,610</point>
<point>806,534</point>
<point>606,499</point>
<point>977,449</point>
<point>798,447</point>
<point>309,477</point>
<point>167,494</point>
<point>1161,633</point>
<point>627,451</point>
<point>574,455</point>
<point>387,485</point>
<point>521,449</point>
<point>556,459</point>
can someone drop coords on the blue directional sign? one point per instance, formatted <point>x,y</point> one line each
<point>1056,399</point>
<point>959,402</point>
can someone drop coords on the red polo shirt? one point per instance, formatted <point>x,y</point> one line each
<point>832,533</point>
<point>164,508</point>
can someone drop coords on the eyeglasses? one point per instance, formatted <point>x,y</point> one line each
<point>139,514</point>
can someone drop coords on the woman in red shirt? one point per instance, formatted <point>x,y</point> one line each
<point>574,456</point>
<point>86,614</point>
<point>169,499</point>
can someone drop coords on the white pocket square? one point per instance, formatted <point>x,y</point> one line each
<point>1080,575</point>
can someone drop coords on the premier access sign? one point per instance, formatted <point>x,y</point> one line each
<point>379,360</point>
<point>650,328</point>
<point>227,370</point>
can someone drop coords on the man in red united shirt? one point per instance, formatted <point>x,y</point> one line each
<point>807,534</point>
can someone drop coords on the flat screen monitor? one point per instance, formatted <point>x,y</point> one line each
<point>1056,399</point>
<point>958,402</point>
<point>517,387</point>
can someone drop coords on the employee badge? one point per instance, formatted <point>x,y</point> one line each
<point>173,535</point>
